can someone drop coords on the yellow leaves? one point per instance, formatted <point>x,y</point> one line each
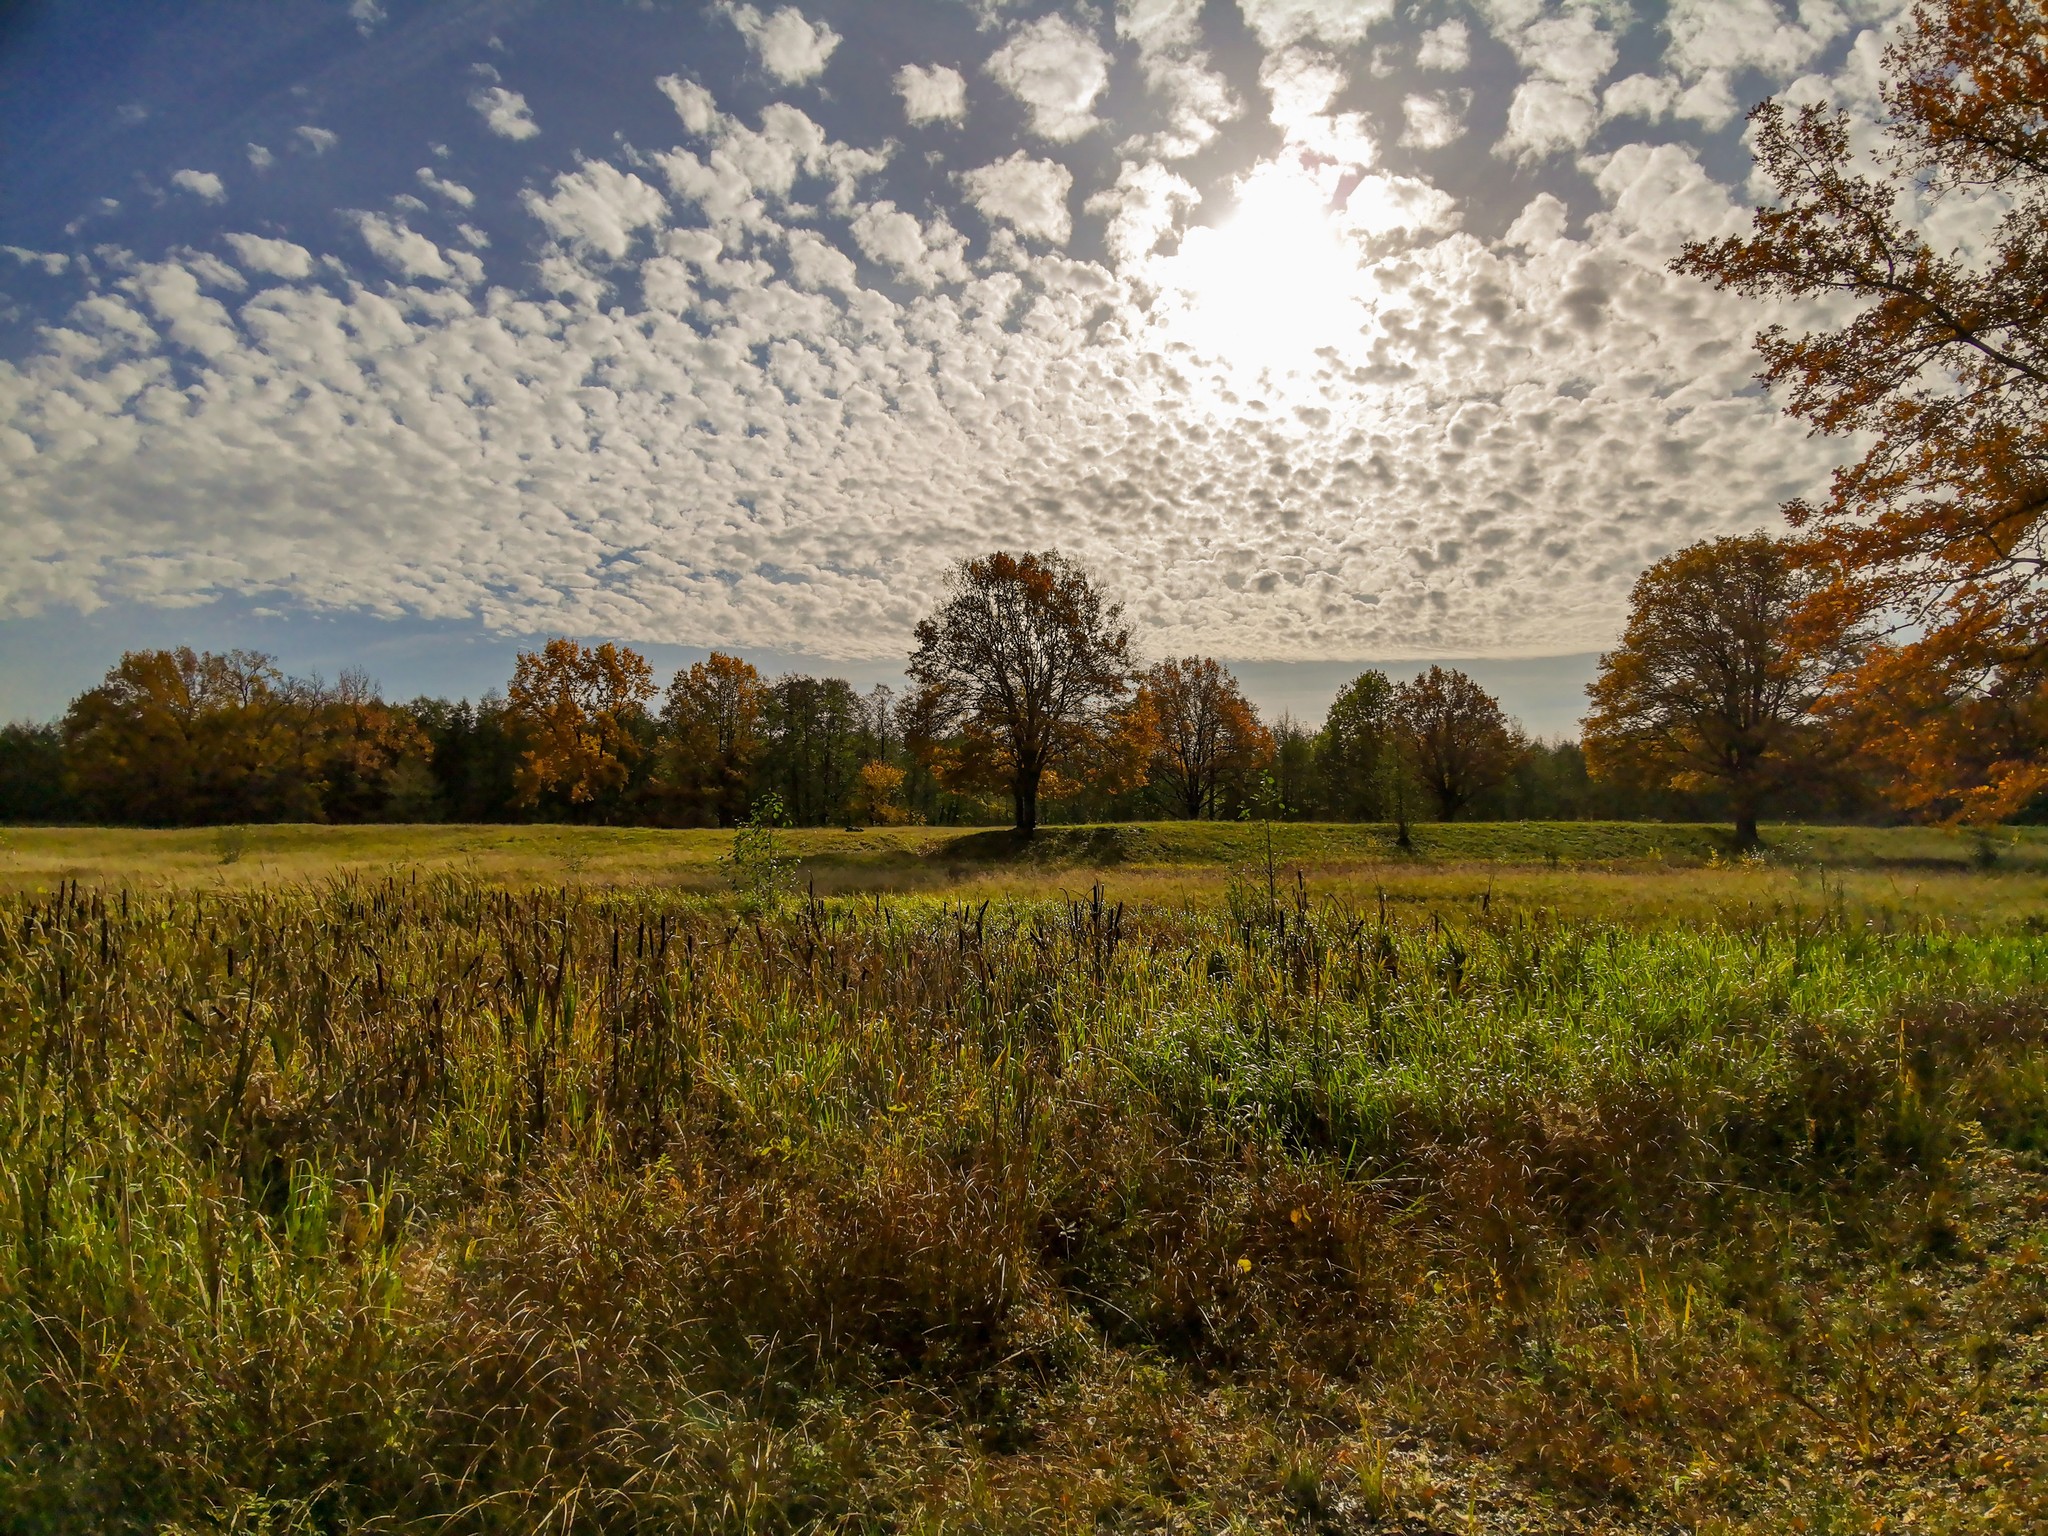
<point>576,707</point>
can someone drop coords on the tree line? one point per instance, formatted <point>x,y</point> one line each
<point>582,733</point>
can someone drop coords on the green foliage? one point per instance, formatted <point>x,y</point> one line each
<point>757,868</point>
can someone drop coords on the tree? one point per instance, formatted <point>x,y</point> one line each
<point>356,745</point>
<point>1455,738</point>
<point>1710,684</point>
<point>1294,769</point>
<point>877,795</point>
<point>579,713</point>
<point>713,723</point>
<point>32,773</point>
<point>1933,545</point>
<point>1206,737</point>
<point>1028,661</point>
<point>816,729</point>
<point>1352,748</point>
<point>178,736</point>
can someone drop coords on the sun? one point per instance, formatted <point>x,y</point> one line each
<point>1269,286</point>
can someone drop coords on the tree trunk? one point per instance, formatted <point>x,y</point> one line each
<point>1025,793</point>
<point>1745,828</point>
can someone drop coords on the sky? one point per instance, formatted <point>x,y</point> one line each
<point>1323,331</point>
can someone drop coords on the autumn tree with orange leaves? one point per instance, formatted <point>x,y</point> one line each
<point>1931,548</point>
<point>1454,738</point>
<point>1206,737</point>
<point>1710,685</point>
<point>581,714</point>
<point>1029,663</point>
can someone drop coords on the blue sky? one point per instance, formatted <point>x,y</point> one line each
<point>1325,330</point>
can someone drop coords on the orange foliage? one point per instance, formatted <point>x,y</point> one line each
<point>1206,736</point>
<point>1931,548</point>
<point>578,710</point>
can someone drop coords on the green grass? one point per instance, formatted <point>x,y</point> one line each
<point>426,1203</point>
<point>920,858</point>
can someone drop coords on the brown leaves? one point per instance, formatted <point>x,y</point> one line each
<point>576,708</point>
<point>1937,538</point>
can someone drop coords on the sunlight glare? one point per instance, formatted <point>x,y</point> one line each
<point>1272,283</point>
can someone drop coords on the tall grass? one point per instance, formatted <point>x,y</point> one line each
<point>389,1205</point>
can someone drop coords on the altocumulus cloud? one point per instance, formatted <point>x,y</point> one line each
<point>739,382</point>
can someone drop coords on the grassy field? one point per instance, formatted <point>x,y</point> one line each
<point>977,859</point>
<point>458,1179</point>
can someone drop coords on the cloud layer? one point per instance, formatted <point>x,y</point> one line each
<point>754,381</point>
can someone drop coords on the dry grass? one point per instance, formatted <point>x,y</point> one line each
<point>427,1204</point>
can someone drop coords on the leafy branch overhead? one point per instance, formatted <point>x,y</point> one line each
<point>1931,546</point>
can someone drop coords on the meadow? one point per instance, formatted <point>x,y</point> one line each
<point>1543,1179</point>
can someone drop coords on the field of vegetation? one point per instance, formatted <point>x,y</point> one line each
<point>1548,1178</point>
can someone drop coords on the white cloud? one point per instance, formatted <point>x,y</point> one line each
<point>405,251</point>
<point>926,255</point>
<point>203,185</point>
<point>1302,84</point>
<point>454,191</point>
<point>260,158</point>
<point>368,15</point>
<point>1545,118</point>
<point>1340,23</point>
<point>277,258</point>
<point>1748,34</point>
<point>504,112</point>
<point>1568,55</point>
<point>1159,26</point>
<point>1436,120</point>
<point>1447,48</point>
<point>790,48</point>
<point>1540,225</point>
<point>1198,100</point>
<point>935,95</point>
<point>1645,96</point>
<point>1662,194</point>
<point>744,172</point>
<point>1709,101</point>
<point>52,263</point>
<point>1058,71</point>
<point>597,208</point>
<point>318,140</point>
<point>1029,195</point>
<point>693,104</point>
<point>1142,207</point>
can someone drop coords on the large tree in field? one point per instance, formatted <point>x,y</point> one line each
<point>1711,683</point>
<point>1457,741</point>
<point>1933,545</point>
<point>580,713</point>
<point>1206,737</point>
<point>1027,660</point>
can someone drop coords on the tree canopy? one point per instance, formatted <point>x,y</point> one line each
<point>1930,547</point>
<point>1028,659</point>
<point>1456,740</point>
<point>1710,684</point>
